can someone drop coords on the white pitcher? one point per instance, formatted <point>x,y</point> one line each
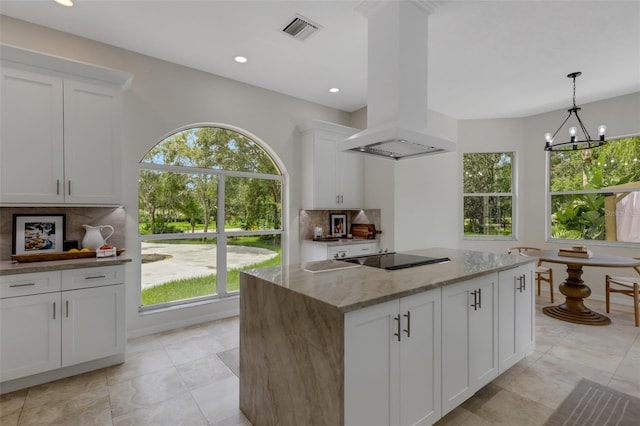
<point>93,238</point>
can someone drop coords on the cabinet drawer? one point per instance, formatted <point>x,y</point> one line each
<point>26,284</point>
<point>351,250</point>
<point>92,277</point>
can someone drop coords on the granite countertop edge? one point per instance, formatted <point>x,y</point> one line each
<point>9,267</point>
<point>376,286</point>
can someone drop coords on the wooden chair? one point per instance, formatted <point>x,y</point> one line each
<point>542,272</point>
<point>629,286</point>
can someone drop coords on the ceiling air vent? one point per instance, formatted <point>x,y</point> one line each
<point>301,28</point>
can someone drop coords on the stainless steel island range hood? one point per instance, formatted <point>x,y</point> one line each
<point>397,83</point>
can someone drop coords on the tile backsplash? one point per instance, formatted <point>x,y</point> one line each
<point>75,218</point>
<point>310,218</point>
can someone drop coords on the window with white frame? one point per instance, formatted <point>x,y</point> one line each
<point>488,195</point>
<point>595,193</point>
<point>210,204</point>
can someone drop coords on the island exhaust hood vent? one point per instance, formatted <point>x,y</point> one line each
<point>397,83</point>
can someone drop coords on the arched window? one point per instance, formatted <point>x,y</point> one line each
<point>210,204</point>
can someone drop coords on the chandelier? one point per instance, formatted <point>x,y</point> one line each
<point>574,143</point>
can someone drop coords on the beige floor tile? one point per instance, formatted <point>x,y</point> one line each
<point>144,343</point>
<point>138,364</point>
<point>475,420</point>
<point>179,411</point>
<point>455,417</point>
<point>9,419</point>
<point>219,401</point>
<point>79,390</point>
<point>94,411</point>
<point>203,371</point>
<point>12,402</point>
<point>235,420</point>
<point>508,408</point>
<point>191,348</point>
<point>144,391</point>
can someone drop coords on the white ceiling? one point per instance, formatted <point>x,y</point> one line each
<point>487,59</point>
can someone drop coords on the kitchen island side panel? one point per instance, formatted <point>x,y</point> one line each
<point>291,357</point>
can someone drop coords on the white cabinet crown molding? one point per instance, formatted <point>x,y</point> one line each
<point>64,65</point>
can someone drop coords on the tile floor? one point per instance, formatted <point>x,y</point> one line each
<point>176,378</point>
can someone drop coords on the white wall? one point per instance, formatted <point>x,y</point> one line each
<point>165,96</point>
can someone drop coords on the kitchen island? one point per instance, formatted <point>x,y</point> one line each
<point>362,345</point>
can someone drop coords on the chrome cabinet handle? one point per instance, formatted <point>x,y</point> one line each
<point>479,298</point>
<point>524,282</point>
<point>519,287</point>
<point>57,186</point>
<point>398,335</point>
<point>475,300</point>
<point>69,186</point>
<point>54,310</point>
<point>22,285</point>
<point>95,277</point>
<point>408,329</point>
<point>67,307</point>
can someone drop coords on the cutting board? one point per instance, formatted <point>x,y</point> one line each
<point>364,230</point>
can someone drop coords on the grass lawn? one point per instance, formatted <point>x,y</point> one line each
<point>206,285</point>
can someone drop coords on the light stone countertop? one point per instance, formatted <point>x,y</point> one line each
<point>354,288</point>
<point>8,267</point>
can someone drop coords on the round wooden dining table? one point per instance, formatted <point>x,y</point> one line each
<point>574,289</point>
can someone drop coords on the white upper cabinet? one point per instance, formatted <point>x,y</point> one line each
<point>331,179</point>
<point>60,140</point>
<point>92,143</point>
<point>31,138</point>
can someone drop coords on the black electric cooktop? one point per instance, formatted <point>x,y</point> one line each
<point>393,261</point>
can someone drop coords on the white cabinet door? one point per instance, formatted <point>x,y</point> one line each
<point>93,324</point>
<point>420,351</point>
<point>92,143</point>
<point>331,179</point>
<point>371,359</point>
<point>30,335</point>
<point>60,140</point>
<point>469,338</point>
<point>350,180</point>
<point>516,330</point>
<point>31,137</point>
<point>526,312</point>
<point>392,362</point>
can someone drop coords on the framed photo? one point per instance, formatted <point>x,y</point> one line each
<point>338,224</point>
<point>42,233</point>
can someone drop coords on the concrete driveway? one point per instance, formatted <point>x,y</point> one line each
<point>193,260</point>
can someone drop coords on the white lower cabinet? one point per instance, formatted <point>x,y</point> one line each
<point>469,338</point>
<point>392,362</point>
<point>51,320</point>
<point>516,312</point>
<point>30,339</point>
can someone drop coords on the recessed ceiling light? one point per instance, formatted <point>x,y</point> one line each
<point>334,90</point>
<point>240,59</point>
<point>67,3</point>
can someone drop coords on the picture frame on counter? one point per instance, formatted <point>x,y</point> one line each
<point>338,224</point>
<point>38,233</point>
